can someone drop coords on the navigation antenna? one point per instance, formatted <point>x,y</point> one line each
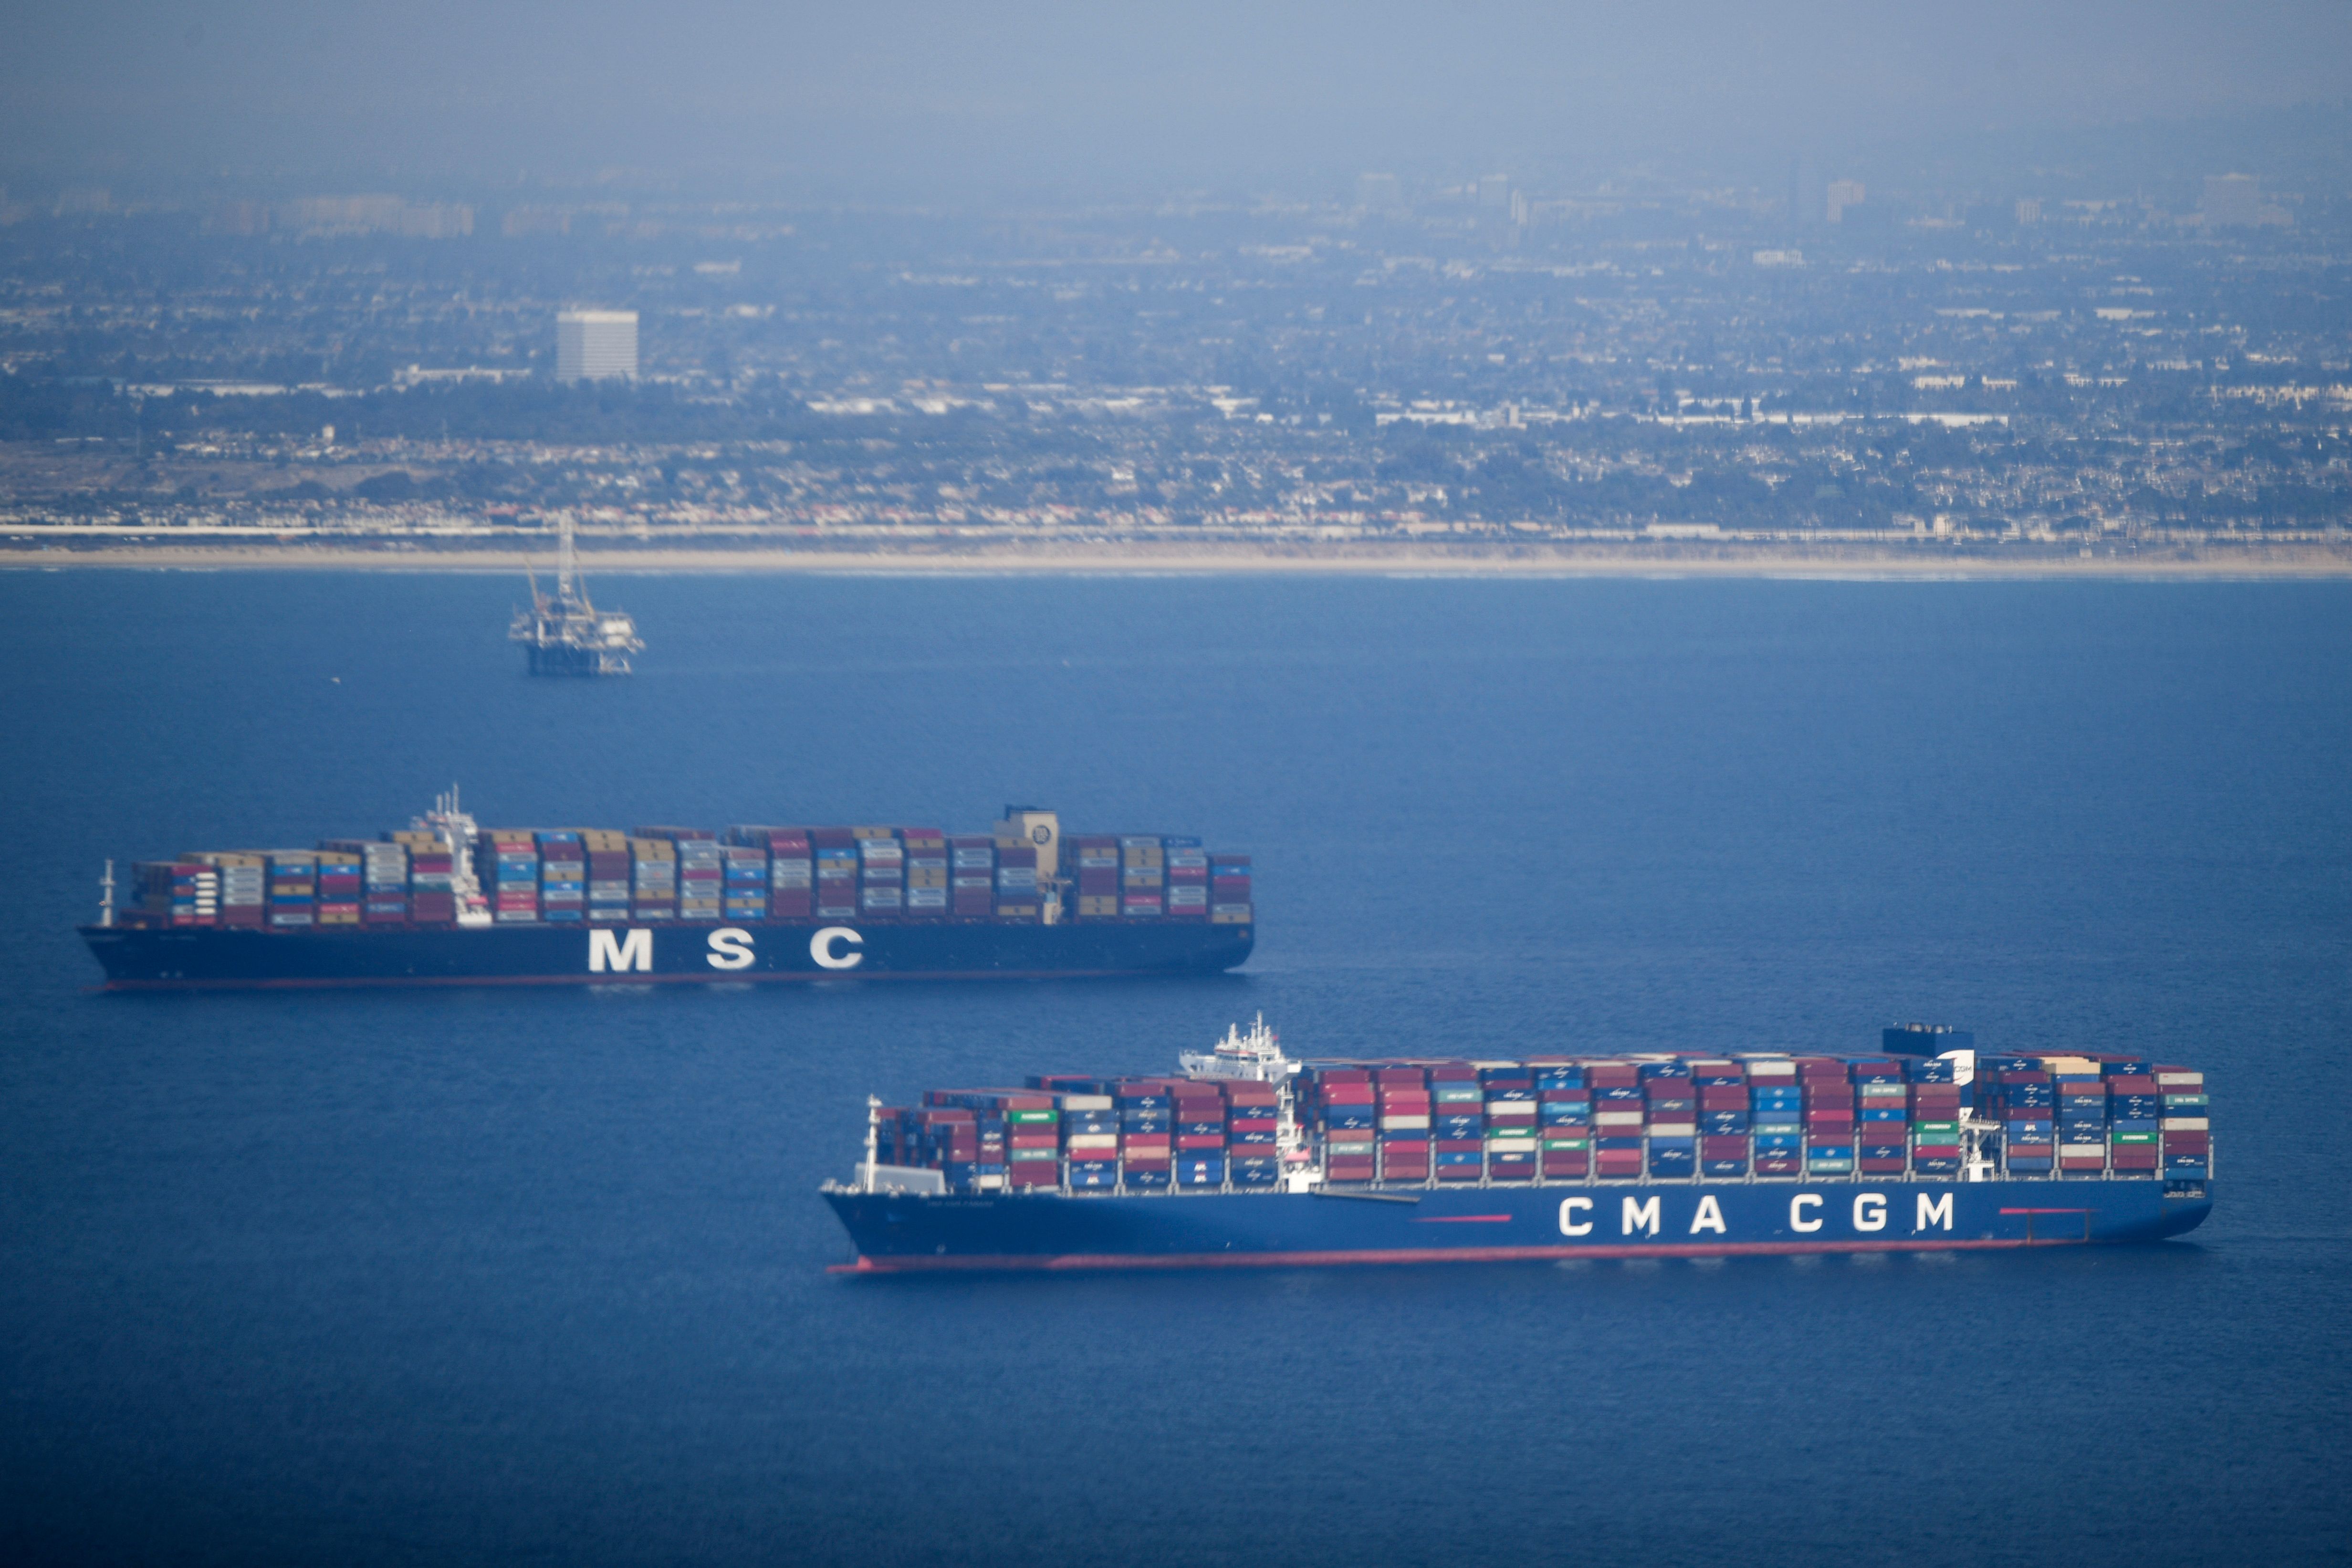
<point>873,1138</point>
<point>106,896</point>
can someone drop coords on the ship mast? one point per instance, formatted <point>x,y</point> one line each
<point>567,565</point>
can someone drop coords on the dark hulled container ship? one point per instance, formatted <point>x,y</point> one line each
<point>448,903</point>
<point>1249,1159</point>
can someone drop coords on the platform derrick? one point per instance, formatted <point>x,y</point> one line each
<point>564,632</point>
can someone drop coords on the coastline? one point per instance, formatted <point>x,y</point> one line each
<point>1613,559</point>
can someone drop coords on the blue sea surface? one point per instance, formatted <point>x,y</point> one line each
<point>490,1275</point>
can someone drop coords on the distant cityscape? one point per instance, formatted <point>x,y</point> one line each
<point>1475,360</point>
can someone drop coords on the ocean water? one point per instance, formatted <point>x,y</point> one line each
<point>484,1277</point>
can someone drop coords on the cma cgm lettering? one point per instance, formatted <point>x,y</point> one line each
<point>1761,1214</point>
<point>448,903</point>
<point>1246,1157</point>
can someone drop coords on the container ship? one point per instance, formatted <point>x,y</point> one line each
<point>1248,1158</point>
<point>448,903</point>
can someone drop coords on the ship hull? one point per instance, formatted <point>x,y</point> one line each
<point>901,1233</point>
<point>151,959</point>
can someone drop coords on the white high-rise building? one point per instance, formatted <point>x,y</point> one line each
<point>596,345</point>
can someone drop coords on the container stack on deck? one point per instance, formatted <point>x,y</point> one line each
<point>701,877</point>
<point>183,892</point>
<point>243,888</point>
<point>1657,1117</point>
<point>384,882</point>
<point>881,873</point>
<point>653,878</point>
<point>567,876</point>
<point>610,883</point>
<point>1229,890</point>
<point>432,873</point>
<point>972,876</point>
<point>293,889</point>
<point>510,867</point>
<point>1018,897</point>
<point>563,875</point>
<point>791,872</point>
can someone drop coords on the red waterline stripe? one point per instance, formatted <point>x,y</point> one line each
<point>2049,1211</point>
<point>293,983</point>
<point>1464,1219</point>
<point>1006,1262</point>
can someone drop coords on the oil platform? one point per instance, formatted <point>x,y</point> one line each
<point>564,632</point>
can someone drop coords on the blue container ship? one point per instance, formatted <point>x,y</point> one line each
<point>1247,1158</point>
<point>449,902</point>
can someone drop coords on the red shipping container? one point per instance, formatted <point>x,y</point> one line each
<point>1459,1172</point>
<point>1620,1162</point>
<point>2082,1163</point>
<point>1349,1169</point>
<point>2187,1142</point>
<point>1402,1078</point>
<point>1565,1163</point>
<point>1723,1146</point>
<point>1201,1140</point>
<point>1882,1166</point>
<point>2135,1157</point>
<point>1722,1097</point>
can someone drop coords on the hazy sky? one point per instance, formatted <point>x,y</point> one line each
<point>906,98</point>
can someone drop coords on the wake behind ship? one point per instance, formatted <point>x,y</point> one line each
<point>448,903</point>
<point>1247,1158</point>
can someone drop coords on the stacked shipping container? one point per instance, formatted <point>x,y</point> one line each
<point>1633,1119</point>
<point>561,875</point>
